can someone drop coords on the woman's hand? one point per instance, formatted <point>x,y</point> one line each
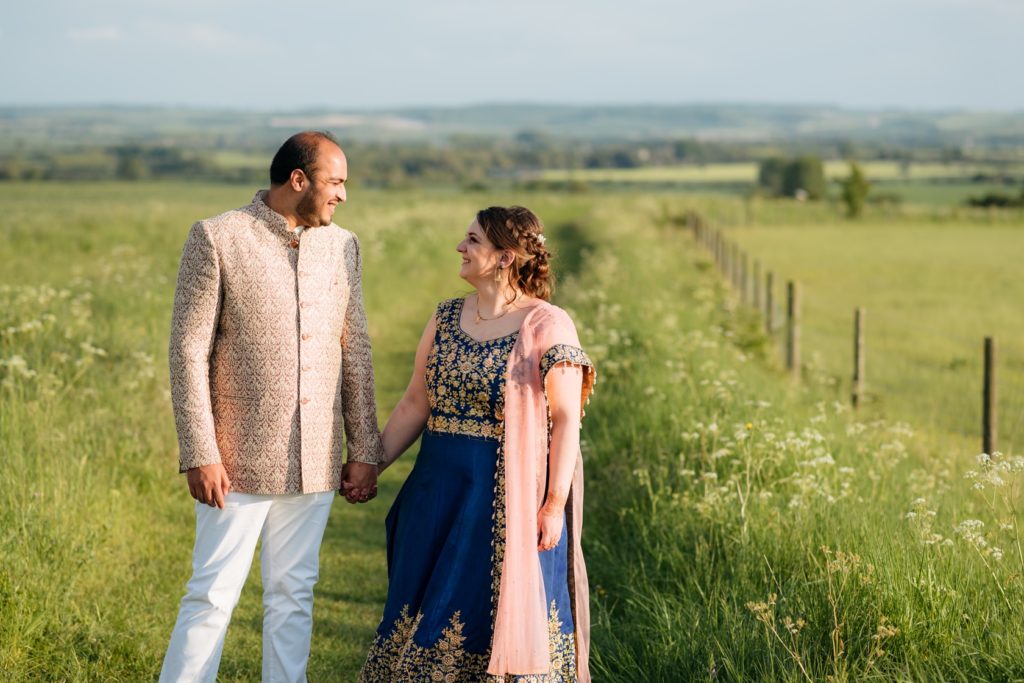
<point>358,482</point>
<point>549,528</point>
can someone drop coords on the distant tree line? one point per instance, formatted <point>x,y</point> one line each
<point>122,162</point>
<point>469,161</point>
<point>461,159</point>
<point>997,200</point>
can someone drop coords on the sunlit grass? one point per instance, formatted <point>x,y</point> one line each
<point>746,172</point>
<point>931,294</point>
<point>739,526</point>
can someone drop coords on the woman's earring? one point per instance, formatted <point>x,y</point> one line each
<point>498,273</point>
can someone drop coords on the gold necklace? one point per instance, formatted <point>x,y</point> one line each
<point>477,318</point>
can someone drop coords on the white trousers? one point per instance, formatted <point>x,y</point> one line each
<point>290,528</point>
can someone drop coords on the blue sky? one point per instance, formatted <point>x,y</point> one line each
<point>351,55</point>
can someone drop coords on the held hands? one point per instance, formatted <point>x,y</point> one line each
<point>358,482</point>
<point>550,521</point>
<point>209,484</point>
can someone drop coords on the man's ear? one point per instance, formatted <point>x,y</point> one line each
<point>298,180</point>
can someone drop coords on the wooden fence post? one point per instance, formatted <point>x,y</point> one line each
<point>728,261</point>
<point>858,357</point>
<point>757,284</point>
<point>734,262</point>
<point>793,328</point>
<point>737,272</point>
<point>989,417</point>
<point>744,265</point>
<point>769,304</point>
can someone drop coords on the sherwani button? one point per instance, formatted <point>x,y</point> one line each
<point>294,244</point>
<point>306,337</point>
<point>305,368</point>
<point>305,401</point>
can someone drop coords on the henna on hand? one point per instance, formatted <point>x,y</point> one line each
<point>554,504</point>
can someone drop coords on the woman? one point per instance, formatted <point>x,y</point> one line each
<point>486,576</point>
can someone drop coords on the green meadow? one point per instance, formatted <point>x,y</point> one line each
<point>915,184</point>
<point>931,293</point>
<point>739,526</point>
<point>746,171</point>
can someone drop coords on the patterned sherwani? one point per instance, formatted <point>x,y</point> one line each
<point>270,355</point>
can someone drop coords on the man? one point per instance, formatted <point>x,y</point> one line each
<point>270,364</point>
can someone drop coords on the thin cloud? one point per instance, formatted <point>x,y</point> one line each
<point>195,35</point>
<point>211,37</point>
<point>95,34</point>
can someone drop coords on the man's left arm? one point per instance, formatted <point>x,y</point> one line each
<point>359,404</point>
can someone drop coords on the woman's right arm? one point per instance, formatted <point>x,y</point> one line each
<point>410,415</point>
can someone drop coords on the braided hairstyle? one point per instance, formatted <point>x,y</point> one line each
<point>518,229</point>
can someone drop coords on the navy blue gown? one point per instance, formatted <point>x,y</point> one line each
<point>445,530</point>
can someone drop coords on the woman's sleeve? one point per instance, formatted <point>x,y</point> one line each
<point>567,354</point>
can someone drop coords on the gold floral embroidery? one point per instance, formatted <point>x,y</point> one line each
<point>562,650</point>
<point>463,375</point>
<point>398,657</point>
<point>563,353</point>
<point>497,533</point>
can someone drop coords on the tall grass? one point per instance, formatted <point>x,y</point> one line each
<point>738,527</point>
<point>749,529</point>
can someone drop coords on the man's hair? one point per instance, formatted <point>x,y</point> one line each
<point>298,152</point>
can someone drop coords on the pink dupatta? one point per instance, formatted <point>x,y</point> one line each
<point>520,644</point>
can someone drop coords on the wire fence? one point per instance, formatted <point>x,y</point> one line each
<point>901,335</point>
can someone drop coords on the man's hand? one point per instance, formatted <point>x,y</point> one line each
<point>209,484</point>
<point>358,482</point>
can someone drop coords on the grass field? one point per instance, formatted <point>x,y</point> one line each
<point>746,172</point>
<point>931,184</point>
<point>739,527</point>
<point>932,291</point>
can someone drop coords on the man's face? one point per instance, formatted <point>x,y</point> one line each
<point>325,188</point>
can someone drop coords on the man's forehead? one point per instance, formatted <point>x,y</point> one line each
<point>330,152</point>
<point>332,161</point>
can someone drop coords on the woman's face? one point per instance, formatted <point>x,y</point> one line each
<point>480,258</point>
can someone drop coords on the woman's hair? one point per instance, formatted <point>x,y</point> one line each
<point>518,229</point>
